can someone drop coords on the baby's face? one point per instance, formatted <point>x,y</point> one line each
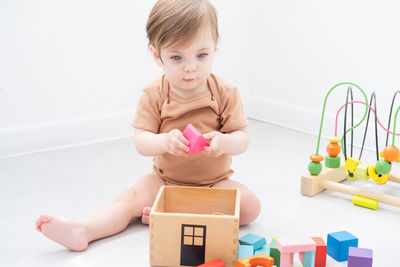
<point>187,68</point>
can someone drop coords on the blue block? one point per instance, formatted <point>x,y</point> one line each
<point>245,251</point>
<point>309,259</point>
<point>264,249</point>
<point>339,243</point>
<point>254,240</point>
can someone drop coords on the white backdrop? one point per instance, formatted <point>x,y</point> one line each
<point>71,71</point>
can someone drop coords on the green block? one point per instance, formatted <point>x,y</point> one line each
<point>275,253</point>
<point>331,162</point>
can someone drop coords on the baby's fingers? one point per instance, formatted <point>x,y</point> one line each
<point>178,135</point>
<point>179,145</point>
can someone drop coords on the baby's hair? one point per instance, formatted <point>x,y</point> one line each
<point>174,23</point>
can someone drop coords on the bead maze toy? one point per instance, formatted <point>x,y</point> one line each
<point>351,168</point>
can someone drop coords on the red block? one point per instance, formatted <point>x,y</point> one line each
<point>320,252</point>
<point>213,263</point>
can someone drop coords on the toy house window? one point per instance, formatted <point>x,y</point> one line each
<point>193,235</point>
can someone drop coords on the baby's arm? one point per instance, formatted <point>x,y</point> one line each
<point>232,143</point>
<point>151,144</point>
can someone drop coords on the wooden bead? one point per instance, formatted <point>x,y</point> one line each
<point>332,162</point>
<point>390,153</point>
<point>316,158</point>
<point>334,139</point>
<point>333,149</point>
<point>383,167</point>
<point>378,178</point>
<point>315,168</point>
<point>351,164</point>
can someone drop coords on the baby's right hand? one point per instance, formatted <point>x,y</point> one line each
<point>176,144</point>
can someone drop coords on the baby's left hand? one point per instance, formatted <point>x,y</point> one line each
<point>216,141</point>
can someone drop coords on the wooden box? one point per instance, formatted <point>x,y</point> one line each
<point>184,231</point>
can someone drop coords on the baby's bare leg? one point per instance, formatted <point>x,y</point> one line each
<point>106,221</point>
<point>250,205</point>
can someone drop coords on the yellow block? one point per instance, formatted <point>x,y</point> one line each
<point>365,202</point>
<point>351,164</point>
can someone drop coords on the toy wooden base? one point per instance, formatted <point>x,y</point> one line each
<point>312,185</point>
<point>184,231</point>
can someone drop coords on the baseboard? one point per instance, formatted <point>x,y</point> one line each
<point>34,138</point>
<point>54,135</point>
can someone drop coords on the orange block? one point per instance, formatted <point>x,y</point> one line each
<point>213,263</point>
<point>259,260</point>
<point>217,213</point>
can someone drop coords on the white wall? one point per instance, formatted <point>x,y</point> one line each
<point>71,71</point>
<point>298,50</point>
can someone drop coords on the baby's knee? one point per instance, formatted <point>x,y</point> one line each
<point>249,209</point>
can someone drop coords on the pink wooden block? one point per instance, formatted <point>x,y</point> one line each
<point>295,244</point>
<point>196,140</point>
<point>288,246</point>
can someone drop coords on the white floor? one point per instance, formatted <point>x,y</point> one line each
<point>72,182</point>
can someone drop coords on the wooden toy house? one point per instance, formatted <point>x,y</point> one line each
<point>184,231</point>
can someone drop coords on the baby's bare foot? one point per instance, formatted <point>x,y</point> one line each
<point>67,233</point>
<point>146,215</point>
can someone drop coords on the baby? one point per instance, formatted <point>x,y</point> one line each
<point>183,38</point>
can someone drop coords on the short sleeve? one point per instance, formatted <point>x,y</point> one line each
<point>147,115</point>
<point>233,116</point>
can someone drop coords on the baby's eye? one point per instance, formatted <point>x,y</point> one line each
<point>177,58</point>
<point>202,55</point>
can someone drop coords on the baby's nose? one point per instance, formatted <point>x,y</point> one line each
<point>190,67</point>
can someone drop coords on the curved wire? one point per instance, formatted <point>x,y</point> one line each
<point>360,102</point>
<point>394,125</point>
<point>373,98</point>
<point>323,110</point>
<point>349,92</point>
<point>390,115</point>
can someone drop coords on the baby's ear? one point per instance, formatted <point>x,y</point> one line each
<point>155,55</point>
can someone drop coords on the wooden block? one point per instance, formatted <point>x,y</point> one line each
<point>360,257</point>
<point>254,240</point>
<point>196,140</point>
<point>217,213</point>
<point>320,252</point>
<point>213,263</point>
<point>295,244</point>
<point>262,260</point>
<point>339,243</point>
<point>264,249</point>
<point>332,162</point>
<point>351,164</point>
<point>288,246</point>
<point>275,253</point>
<point>308,259</point>
<point>365,202</point>
<point>361,172</point>
<point>245,251</point>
